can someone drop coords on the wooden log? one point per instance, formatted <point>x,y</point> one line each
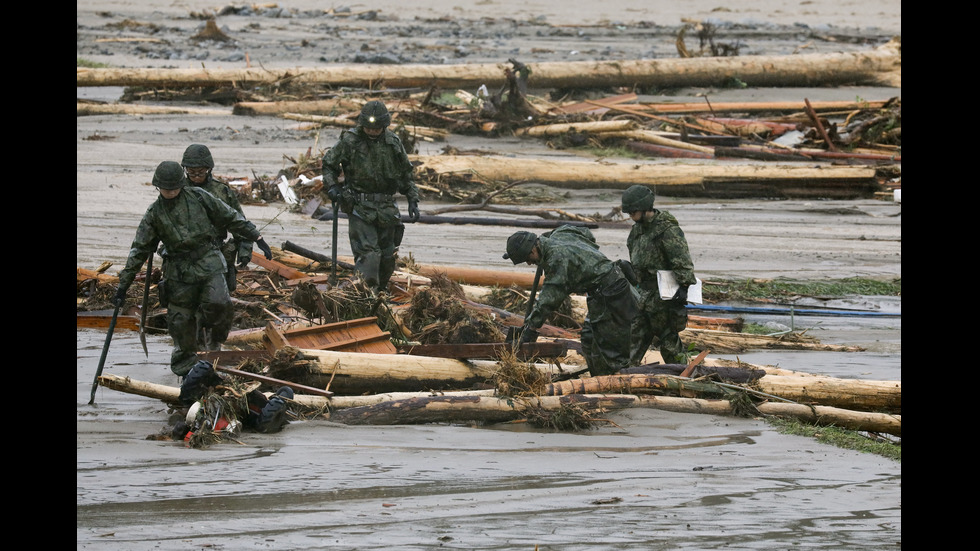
<point>854,394</point>
<point>880,66</point>
<point>745,127</point>
<point>727,342</point>
<point>83,274</point>
<point>371,373</point>
<point>315,107</point>
<point>654,150</point>
<point>790,181</point>
<point>818,415</point>
<point>756,106</point>
<point>658,139</point>
<point>548,130</point>
<point>83,109</point>
<point>488,409</point>
<point>482,405</point>
<point>165,393</point>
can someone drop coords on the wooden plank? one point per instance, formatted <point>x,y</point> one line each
<point>359,335</point>
<point>90,320</point>
<point>234,357</point>
<point>278,267</point>
<point>490,351</point>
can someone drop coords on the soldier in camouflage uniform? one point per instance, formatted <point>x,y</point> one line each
<point>656,242</point>
<point>187,219</point>
<point>374,166</point>
<point>198,164</point>
<point>571,263</point>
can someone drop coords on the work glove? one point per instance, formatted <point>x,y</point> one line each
<point>244,257</point>
<point>413,210</point>
<point>265,248</point>
<point>680,295</point>
<point>120,297</point>
<point>528,335</point>
<point>334,193</point>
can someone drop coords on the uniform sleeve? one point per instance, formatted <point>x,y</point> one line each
<point>144,244</point>
<point>406,179</point>
<point>333,161</point>
<point>679,257</point>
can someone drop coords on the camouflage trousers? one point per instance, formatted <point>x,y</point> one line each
<point>606,332</point>
<point>659,323</point>
<point>192,306</point>
<point>375,250</point>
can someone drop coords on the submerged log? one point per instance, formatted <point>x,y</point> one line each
<point>880,66</point>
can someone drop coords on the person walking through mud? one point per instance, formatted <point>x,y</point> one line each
<point>198,165</point>
<point>188,221</point>
<point>656,242</point>
<point>361,174</point>
<point>571,262</point>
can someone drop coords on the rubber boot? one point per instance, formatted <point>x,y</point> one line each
<point>196,383</point>
<point>273,416</point>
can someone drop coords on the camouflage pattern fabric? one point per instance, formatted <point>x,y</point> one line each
<point>374,170</point>
<point>194,267</point>
<point>237,247</point>
<point>572,263</point>
<point>659,244</point>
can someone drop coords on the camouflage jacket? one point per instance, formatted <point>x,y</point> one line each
<point>659,244</point>
<point>373,167</point>
<point>224,192</point>
<point>571,263</point>
<point>187,226</point>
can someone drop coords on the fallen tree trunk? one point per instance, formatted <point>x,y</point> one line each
<point>371,373</point>
<point>756,106</point>
<point>725,181</point>
<point>818,415</point>
<point>490,409</point>
<point>880,66</point>
<point>855,394</point>
<point>83,109</point>
<point>325,107</point>
<point>727,342</point>
<point>562,129</point>
<point>487,409</point>
<point>482,405</point>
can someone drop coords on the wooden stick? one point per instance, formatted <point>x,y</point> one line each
<point>694,363</point>
<point>295,386</point>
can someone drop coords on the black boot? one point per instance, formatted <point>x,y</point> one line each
<point>196,383</point>
<point>273,416</point>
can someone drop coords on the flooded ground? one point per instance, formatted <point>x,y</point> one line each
<point>647,479</point>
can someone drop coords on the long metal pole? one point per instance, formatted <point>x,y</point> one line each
<point>105,351</point>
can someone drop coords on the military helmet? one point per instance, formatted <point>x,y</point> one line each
<point>519,246</point>
<point>196,156</point>
<point>637,198</point>
<point>374,115</point>
<point>168,175</point>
